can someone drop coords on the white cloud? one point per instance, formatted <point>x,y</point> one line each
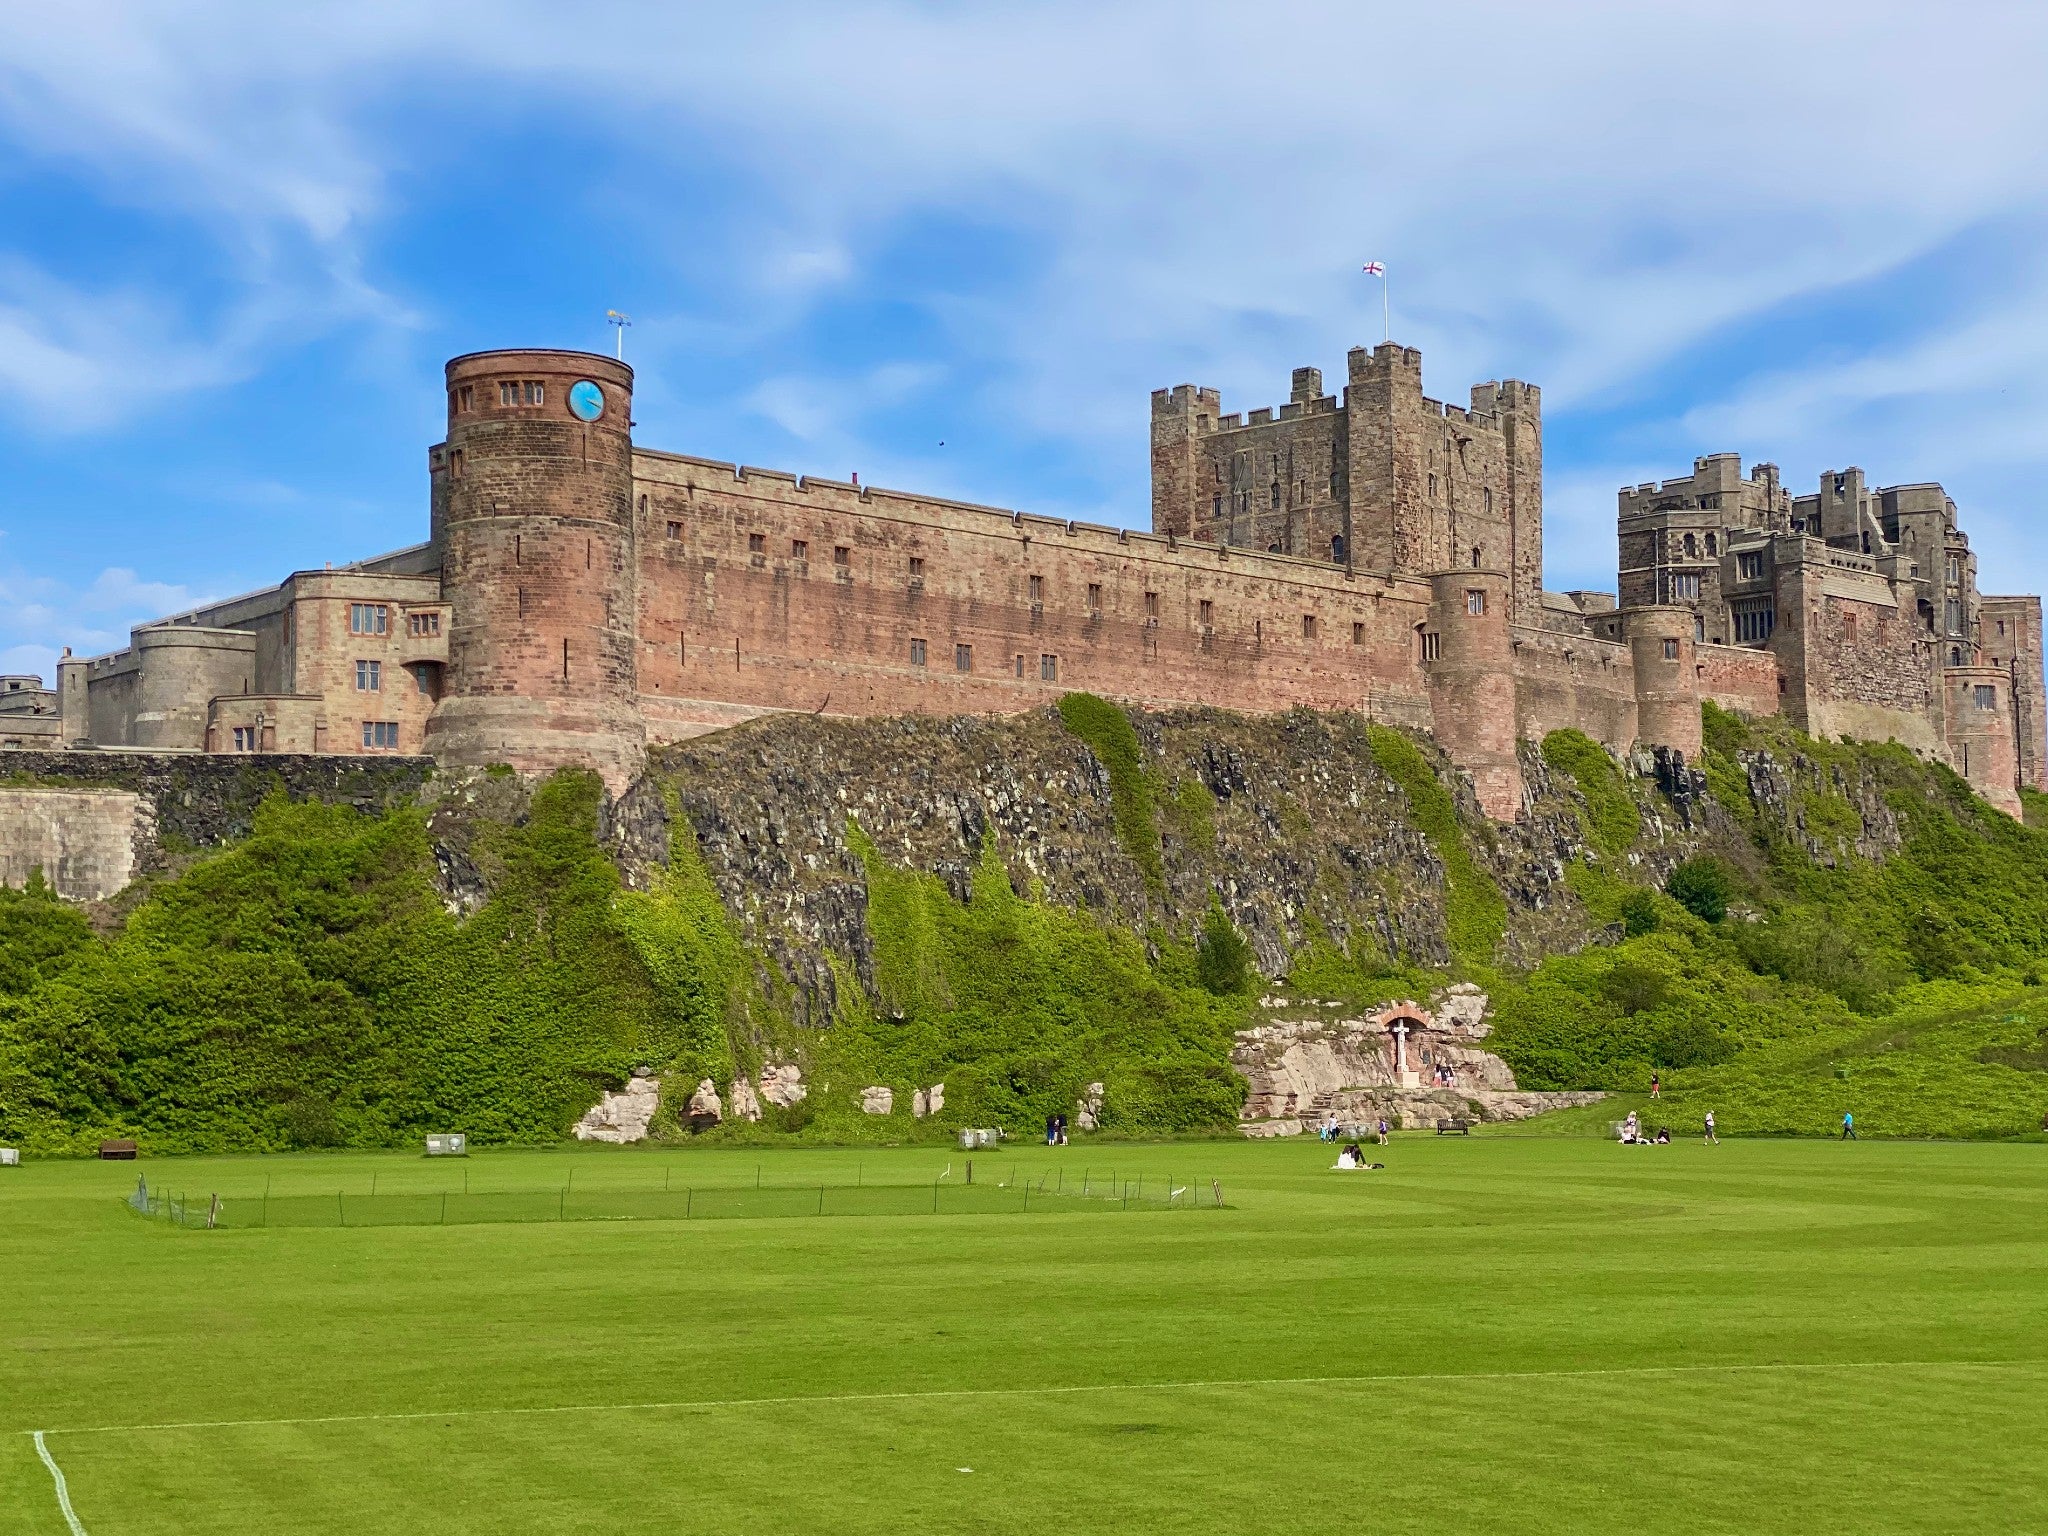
<point>91,618</point>
<point>1580,194</point>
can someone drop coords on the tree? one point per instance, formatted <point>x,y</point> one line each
<point>1638,914</point>
<point>1702,887</point>
<point>1223,961</point>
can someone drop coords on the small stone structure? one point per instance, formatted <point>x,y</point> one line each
<point>623,1116</point>
<point>877,1100</point>
<point>1088,1108</point>
<point>1317,1062</point>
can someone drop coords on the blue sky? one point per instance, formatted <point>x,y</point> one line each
<point>237,242</point>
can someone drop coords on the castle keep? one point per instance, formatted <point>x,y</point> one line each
<point>578,597</point>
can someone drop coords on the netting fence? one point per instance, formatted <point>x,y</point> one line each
<point>1017,1192</point>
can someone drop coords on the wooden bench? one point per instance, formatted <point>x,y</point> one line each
<point>1454,1127</point>
<point>117,1151</point>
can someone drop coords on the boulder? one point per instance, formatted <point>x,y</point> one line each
<point>704,1109</point>
<point>928,1101</point>
<point>877,1100</point>
<point>746,1105</point>
<point>1088,1108</point>
<point>782,1083</point>
<point>623,1116</point>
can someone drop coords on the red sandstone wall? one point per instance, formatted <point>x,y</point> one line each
<point>1736,677</point>
<point>726,630</point>
<point>1573,680</point>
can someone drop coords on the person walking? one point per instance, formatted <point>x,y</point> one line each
<point>1849,1126</point>
<point>1656,1086</point>
<point>1710,1139</point>
<point>1381,1130</point>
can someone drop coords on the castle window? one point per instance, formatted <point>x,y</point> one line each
<point>917,570</point>
<point>1685,585</point>
<point>536,394</point>
<point>1866,541</point>
<point>1216,505</point>
<point>369,676</point>
<point>842,559</point>
<point>1986,696</point>
<point>1486,499</point>
<point>1754,621</point>
<point>2001,629</point>
<point>1432,487</point>
<point>1475,602</point>
<point>1272,549</point>
<point>1431,644</point>
<point>245,738</point>
<point>1749,566</point>
<point>1955,655</point>
<point>1671,650</point>
<point>1953,610</point>
<point>917,653</point>
<point>1475,557</point>
<point>423,625</point>
<point>800,551</point>
<point>426,677</point>
<point>1711,543</point>
<point>368,618</point>
<point>1692,547</point>
<point>508,392</point>
<point>963,658</point>
<point>1048,668</point>
<point>1020,663</point>
<point>1094,599</point>
<point>757,550</point>
<point>1336,482</point>
<point>1276,493</point>
<point>380,735</point>
<point>675,532</point>
<point>1357,632</point>
<point>1205,613</point>
<point>454,463</point>
<point>465,398</point>
<point>1036,588</point>
<point>565,658</point>
<point>1308,626</point>
<point>1699,629</point>
<point>1849,627</point>
<point>1955,570</point>
<point>1152,609</point>
<point>1337,548</point>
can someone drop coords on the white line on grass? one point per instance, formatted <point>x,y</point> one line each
<point>1387,1379</point>
<point>63,1490</point>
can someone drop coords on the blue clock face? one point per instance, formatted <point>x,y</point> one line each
<point>586,400</point>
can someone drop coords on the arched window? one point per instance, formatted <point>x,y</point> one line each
<point>1475,557</point>
<point>1711,549</point>
<point>1955,655</point>
<point>1337,548</point>
<point>1692,547</point>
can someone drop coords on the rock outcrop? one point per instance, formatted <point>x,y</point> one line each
<point>782,1084</point>
<point>877,1100</point>
<point>623,1116</point>
<point>745,1104</point>
<point>704,1110</point>
<point>928,1101</point>
<point>1409,1064</point>
<point>1088,1108</point>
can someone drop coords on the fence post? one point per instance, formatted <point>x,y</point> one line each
<point>373,1183</point>
<point>213,1212</point>
<point>821,1199</point>
<point>340,1210</point>
<point>562,1204</point>
<point>444,1207</point>
<point>689,1199</point>
<point>970,1170</point>
<point>935,1197</point>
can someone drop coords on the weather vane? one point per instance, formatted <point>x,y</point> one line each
<point>621,321</point>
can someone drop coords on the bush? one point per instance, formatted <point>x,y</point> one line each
<point>1638,914</point>
<point>1223,960</point>
<point>1475,913</point>
<point>1702,887</point>
<point>1106,731</point>
<point>1612,821</point>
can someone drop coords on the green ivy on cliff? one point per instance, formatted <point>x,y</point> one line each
<point>1106,731</point>
<point>1475,913</point>
<point>1612,822</point>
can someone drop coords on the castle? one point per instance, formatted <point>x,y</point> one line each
<point>579,597</point>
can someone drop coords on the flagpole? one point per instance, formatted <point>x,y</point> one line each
<point>1386,311</point>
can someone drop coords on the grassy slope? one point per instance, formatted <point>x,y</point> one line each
<point>1763,1337</point>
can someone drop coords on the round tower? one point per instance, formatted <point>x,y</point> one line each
<point>1660,642</point>
<point>536,529</point>
<point>1472,684</point>
<point>1980,733</point>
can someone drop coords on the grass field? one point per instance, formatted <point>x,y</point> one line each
<point>1492,1334</point>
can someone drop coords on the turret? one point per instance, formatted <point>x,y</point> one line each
<point>537,565</point>
<point>1980,733</point>
<point>1472,684</point>
<point>1660,642</point>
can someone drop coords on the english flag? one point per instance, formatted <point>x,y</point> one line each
<point>1374,269</point>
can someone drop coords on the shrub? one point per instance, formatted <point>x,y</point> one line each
<point>1702,887</point>
<point>1223,960</point>
<point>1638,914</point>
<point>1612,821</point>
